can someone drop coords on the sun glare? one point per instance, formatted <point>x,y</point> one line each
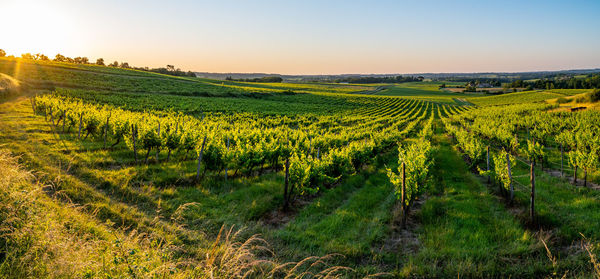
<point>36,27</point>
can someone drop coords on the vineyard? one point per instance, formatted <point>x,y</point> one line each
<point>149,172</point>
<point>318,150</point>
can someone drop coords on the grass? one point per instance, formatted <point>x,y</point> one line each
<point>467,232</point>
<point>43,237</point>
<point>348,219</point>
<point>46,238</point>
<point>567,209</point>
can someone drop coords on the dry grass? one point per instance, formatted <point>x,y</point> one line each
<point>586,245</point>
<point>590,248</point>
<point>229,258</point>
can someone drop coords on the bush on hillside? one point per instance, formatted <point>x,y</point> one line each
<point>595,95</point>
<point>591,97</point>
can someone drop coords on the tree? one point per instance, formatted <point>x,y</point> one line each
<point>125,65</point>
<point>27,56</point>
<point>100,61</point>
<point>81,60</point>
<point>43,57</point>
<point>2,53</point>
<point>170,68</point>
<point>114,64</point>
<point>60,58</point>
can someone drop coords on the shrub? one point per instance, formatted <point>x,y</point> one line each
<point>595,95</point>
<point>562,100</point>
<point>591,97</point>
<point>583,99</point>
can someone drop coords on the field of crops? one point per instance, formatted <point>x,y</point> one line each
<point>523,97</point>
<point>424,91</point>
<point>144,175</point>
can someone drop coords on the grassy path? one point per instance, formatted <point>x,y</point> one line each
<point>466,231</point>
<point>351,219</point>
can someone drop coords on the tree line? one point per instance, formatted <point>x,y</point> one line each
<point>168,70</point>
<point>591,81</point>
<point>261,79</point>
<point>387,79</point>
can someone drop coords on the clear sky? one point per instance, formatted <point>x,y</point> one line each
<point>312,36</point>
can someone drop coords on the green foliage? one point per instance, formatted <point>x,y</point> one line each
<point>417,160</point>
<point>590,97</point>
<point>500,168</point>
<point>472,146</point>
<point>595,95</point>
<point>339,147</point>
<point>534,151</point>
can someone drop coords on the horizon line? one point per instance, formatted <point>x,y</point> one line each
<point>414,73</point>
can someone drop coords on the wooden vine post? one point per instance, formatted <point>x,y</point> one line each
<point>403,196</point>
<point>488,164</point>
<point>512,187</point>
<point>226,170</point>
<point>52,117</point>
<point>309,146</point>
<point>532,177</point>
<point>106,130</point>
<point>200,159</point>
<point>80,124</point>
<point>286,191</point>
<point>158,147</point>
<point>134,135</point>
<point>64,120</point>
<point>561,160</point>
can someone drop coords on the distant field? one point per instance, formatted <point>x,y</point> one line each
<point>460,90</point>
<point>514,98</point>
<point>569,92</point>
<point>422,90</point>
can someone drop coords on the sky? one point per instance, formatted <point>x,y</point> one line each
<point>311,36</point>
